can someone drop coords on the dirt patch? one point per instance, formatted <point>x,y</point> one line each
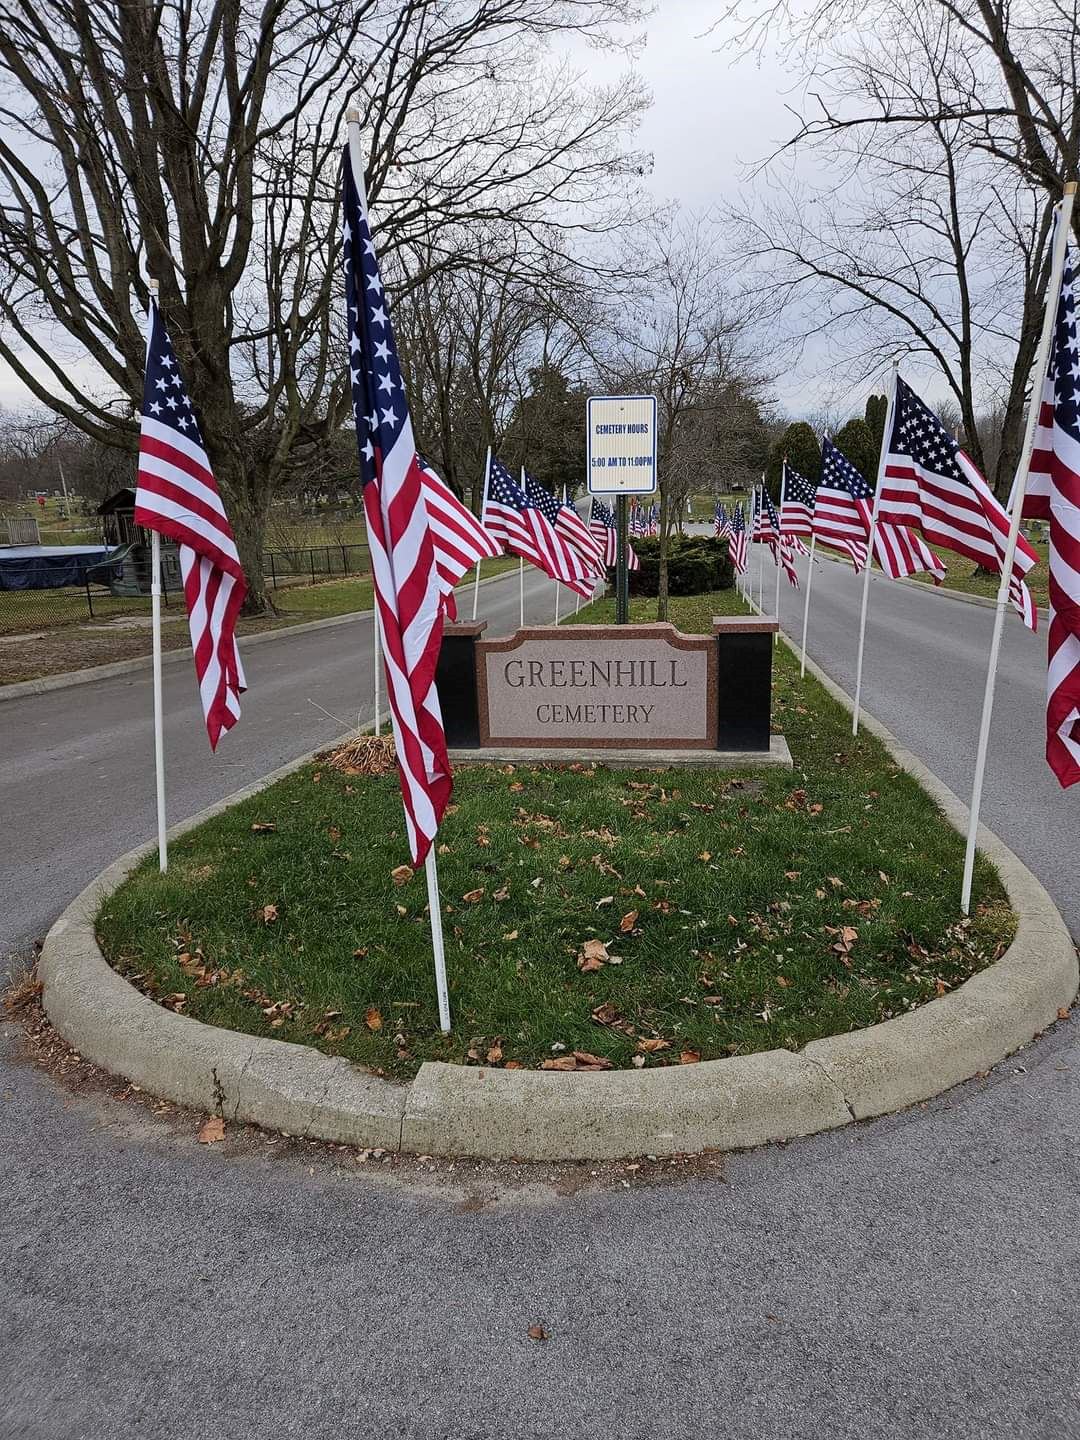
<point>76,647</point>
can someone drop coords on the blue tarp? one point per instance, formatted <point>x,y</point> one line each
<point>48,567</point>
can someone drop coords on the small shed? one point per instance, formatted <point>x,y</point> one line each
<point>129,565</point>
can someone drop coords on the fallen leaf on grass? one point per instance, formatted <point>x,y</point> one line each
<point>263,827</point>
<point>562,1062</point>
<point>401,874</point>
<point>211,1131</point>
<point>593,957</point>
<point>628,921</point>
<point>652,1046</point>
<point>689,1057</point>
<point>607,900</point>
<point>494,1055</point>
<point>472,896</point>
<point>510,935</point>
<point>373,1018</point>
<point>588,1061</point>
<point>269,914</point>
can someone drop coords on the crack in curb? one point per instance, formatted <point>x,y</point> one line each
<point>831,1079</point>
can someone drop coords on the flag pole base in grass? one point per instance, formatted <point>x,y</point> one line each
<point>435,912</point>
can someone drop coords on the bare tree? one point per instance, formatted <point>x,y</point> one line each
<point>687,344</point>
<point>197,142</point>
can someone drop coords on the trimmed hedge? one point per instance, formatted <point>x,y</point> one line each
<point>697,564</point>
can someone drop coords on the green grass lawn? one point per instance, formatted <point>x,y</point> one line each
<point>728,912</point>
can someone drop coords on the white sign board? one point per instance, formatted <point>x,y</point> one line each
<point>621,444</point>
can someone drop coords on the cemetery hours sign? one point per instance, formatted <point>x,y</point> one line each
<point>621,444</point>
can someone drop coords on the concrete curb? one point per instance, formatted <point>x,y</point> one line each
<point>173,657</point>
<point>945,590</point>
<point>448,1109</point>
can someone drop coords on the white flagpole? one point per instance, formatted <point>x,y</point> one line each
<point>760,560</point>
<point>435,913</point>
<point>1042,357</point>
<point>159,729</point>
<point>483,503</point>
<point>806,604</point>
<point>159,723</point>
<point>870,547</point>
<point>521,565</point>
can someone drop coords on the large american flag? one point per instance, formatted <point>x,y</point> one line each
<point>409,594</point>
<point>177,495</point>
<point>778,543</point>
<point>797,508</point>
<point>525,530</point>
<point>737,540</point>
<point>1053,492</point>
<point>567,523</point>
<point>931,486</point>
<point>459,539</point>
<point>604,529</point>
<point>843,516</point>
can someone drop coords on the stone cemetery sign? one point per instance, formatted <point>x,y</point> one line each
<point>588,687</point>
<point>598,685</point>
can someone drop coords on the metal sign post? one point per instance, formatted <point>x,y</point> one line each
<point>620,433</point>
<point>622,576</point>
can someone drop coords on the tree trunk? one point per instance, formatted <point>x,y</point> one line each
<point>247,502</point>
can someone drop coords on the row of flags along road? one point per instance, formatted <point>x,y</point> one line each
<point>422,538</point>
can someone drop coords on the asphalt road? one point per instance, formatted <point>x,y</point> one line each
<point>913,1277</point>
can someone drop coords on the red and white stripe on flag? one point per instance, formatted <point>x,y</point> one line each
<point>1053,492</point>
<point>459,539</point>
<point>177,495</point>
<point>931,486</point>
<point>409,595</point>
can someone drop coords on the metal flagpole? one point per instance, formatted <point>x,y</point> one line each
<point>806,604</point>
<point>1042,357</point>
<point>483,502</point>
<point>558,587</point>
<point>439,950</point>
<point>870,546</point>
<point>622,579</point>
<point>356,156</point>
<point>159,723</point>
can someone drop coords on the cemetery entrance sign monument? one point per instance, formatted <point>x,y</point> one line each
<point>646,689</point>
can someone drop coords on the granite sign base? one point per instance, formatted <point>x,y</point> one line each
<point>777,754</point>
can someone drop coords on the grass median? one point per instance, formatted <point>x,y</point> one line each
<point>593,917</point>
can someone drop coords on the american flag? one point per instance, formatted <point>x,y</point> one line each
<point>1054,492</point>
<point>721,521</point>
<point>409,594</point>
<point>760,532</point>
<point>567,522</point>
<point>843,515</point>
<point>778,543</point>
<point>177,495</point>
<point>525,530</point>
<point>606,532</point>
<point>797,508</point>
<point>638,525</point>
<point>460,540</point>
<point>931,486</point>
<point>737,541</point>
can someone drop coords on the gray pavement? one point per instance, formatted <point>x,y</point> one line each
<point>912,1277</point>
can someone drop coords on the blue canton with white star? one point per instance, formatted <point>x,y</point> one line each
<point>378,393</point>
<point>503,488</point>
<point>165,398</point>
<point>920,435</point>
<point>798,489</point>
<point>601,512</point>
<point>1065,362</point>
<point>541,499</point>
<point>838,473</point>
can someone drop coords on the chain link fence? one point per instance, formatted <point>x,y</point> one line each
<point>25,611</point>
